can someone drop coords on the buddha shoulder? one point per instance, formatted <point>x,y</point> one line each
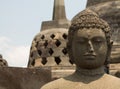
<point>58,84</point>
<point>112,79</point>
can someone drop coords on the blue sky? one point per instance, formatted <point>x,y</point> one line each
<point>20,21</point>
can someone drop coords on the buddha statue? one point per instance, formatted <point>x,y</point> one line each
<point>89,48</point>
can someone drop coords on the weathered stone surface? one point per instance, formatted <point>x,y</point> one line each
<point>94,2</point>
<point>89,48</point>
<point>49,45</point>
<point>51,41</point>
<point>109,10</point>
<point>115,69</point>
<point>59,19</point>
<point>45,51</point>
<point>54,24</point>
<point>23,78</point>
<point>62,71</point>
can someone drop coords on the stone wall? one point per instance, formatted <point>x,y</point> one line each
<point>23,78</point>
<point>94,2</point>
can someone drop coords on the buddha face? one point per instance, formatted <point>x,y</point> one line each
<point>89,48</point>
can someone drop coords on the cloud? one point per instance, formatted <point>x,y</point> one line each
<point>16,55</point>
<point>4,43</point>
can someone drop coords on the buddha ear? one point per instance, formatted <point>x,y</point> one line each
<point>108,56</point>
<point>111,44</point>
<point>109,49</point>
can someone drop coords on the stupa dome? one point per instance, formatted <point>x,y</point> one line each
<point>50,47</point>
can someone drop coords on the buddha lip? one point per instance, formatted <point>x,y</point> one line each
<point>90,55</point>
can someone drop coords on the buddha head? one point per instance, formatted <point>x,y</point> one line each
<point>89,43</point>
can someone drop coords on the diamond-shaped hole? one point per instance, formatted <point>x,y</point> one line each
<point>42,37</point>
<point>51,51</point>
<point>52,36</point>
<point>40,52</point>
<point>58,43</point>
<point>33,62</point>
<point>46,43</point>
<point>65,36</point>
<point>1,60</point>
<point>64,51</point>
<point>31,55</point>
<point>44,61</point>
<point>36,45</point>
<point>35,39</point>
<point>57,60</point>
<point>4,64</point>
<point>71,62</point>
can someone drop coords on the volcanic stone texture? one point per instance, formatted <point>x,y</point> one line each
<point>109,10</point>
<point>23,78</point>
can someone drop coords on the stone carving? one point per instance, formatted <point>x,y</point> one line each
<point>95,2</point>
<point>50,48</point>
<point>109,11</point>
<point>3,62</point>
<point>89,47</point>
<point>49,45</point>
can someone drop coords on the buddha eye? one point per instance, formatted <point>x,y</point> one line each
<point>81,41</point>
<point>98,41</point>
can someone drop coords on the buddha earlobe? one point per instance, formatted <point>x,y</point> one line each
<point>111,43</point>
<point>109,50</point>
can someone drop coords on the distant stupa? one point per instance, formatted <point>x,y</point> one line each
<point>3,62</point>
<point>49,45</point>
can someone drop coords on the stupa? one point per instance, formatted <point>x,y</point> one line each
<point>49,45</point>
<point>3,62</point>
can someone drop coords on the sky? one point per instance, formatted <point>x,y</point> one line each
<point>20,21</point>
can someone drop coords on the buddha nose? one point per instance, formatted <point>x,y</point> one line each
<point>90,46</point>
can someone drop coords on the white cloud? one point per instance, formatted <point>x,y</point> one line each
<point>4,43</point>
<point>16,56</point>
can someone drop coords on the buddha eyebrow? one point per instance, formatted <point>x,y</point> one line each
<point>93,38</point>
<point>98,37</point>
<point>82,38</point>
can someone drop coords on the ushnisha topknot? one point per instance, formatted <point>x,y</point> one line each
<point>87,19</point>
